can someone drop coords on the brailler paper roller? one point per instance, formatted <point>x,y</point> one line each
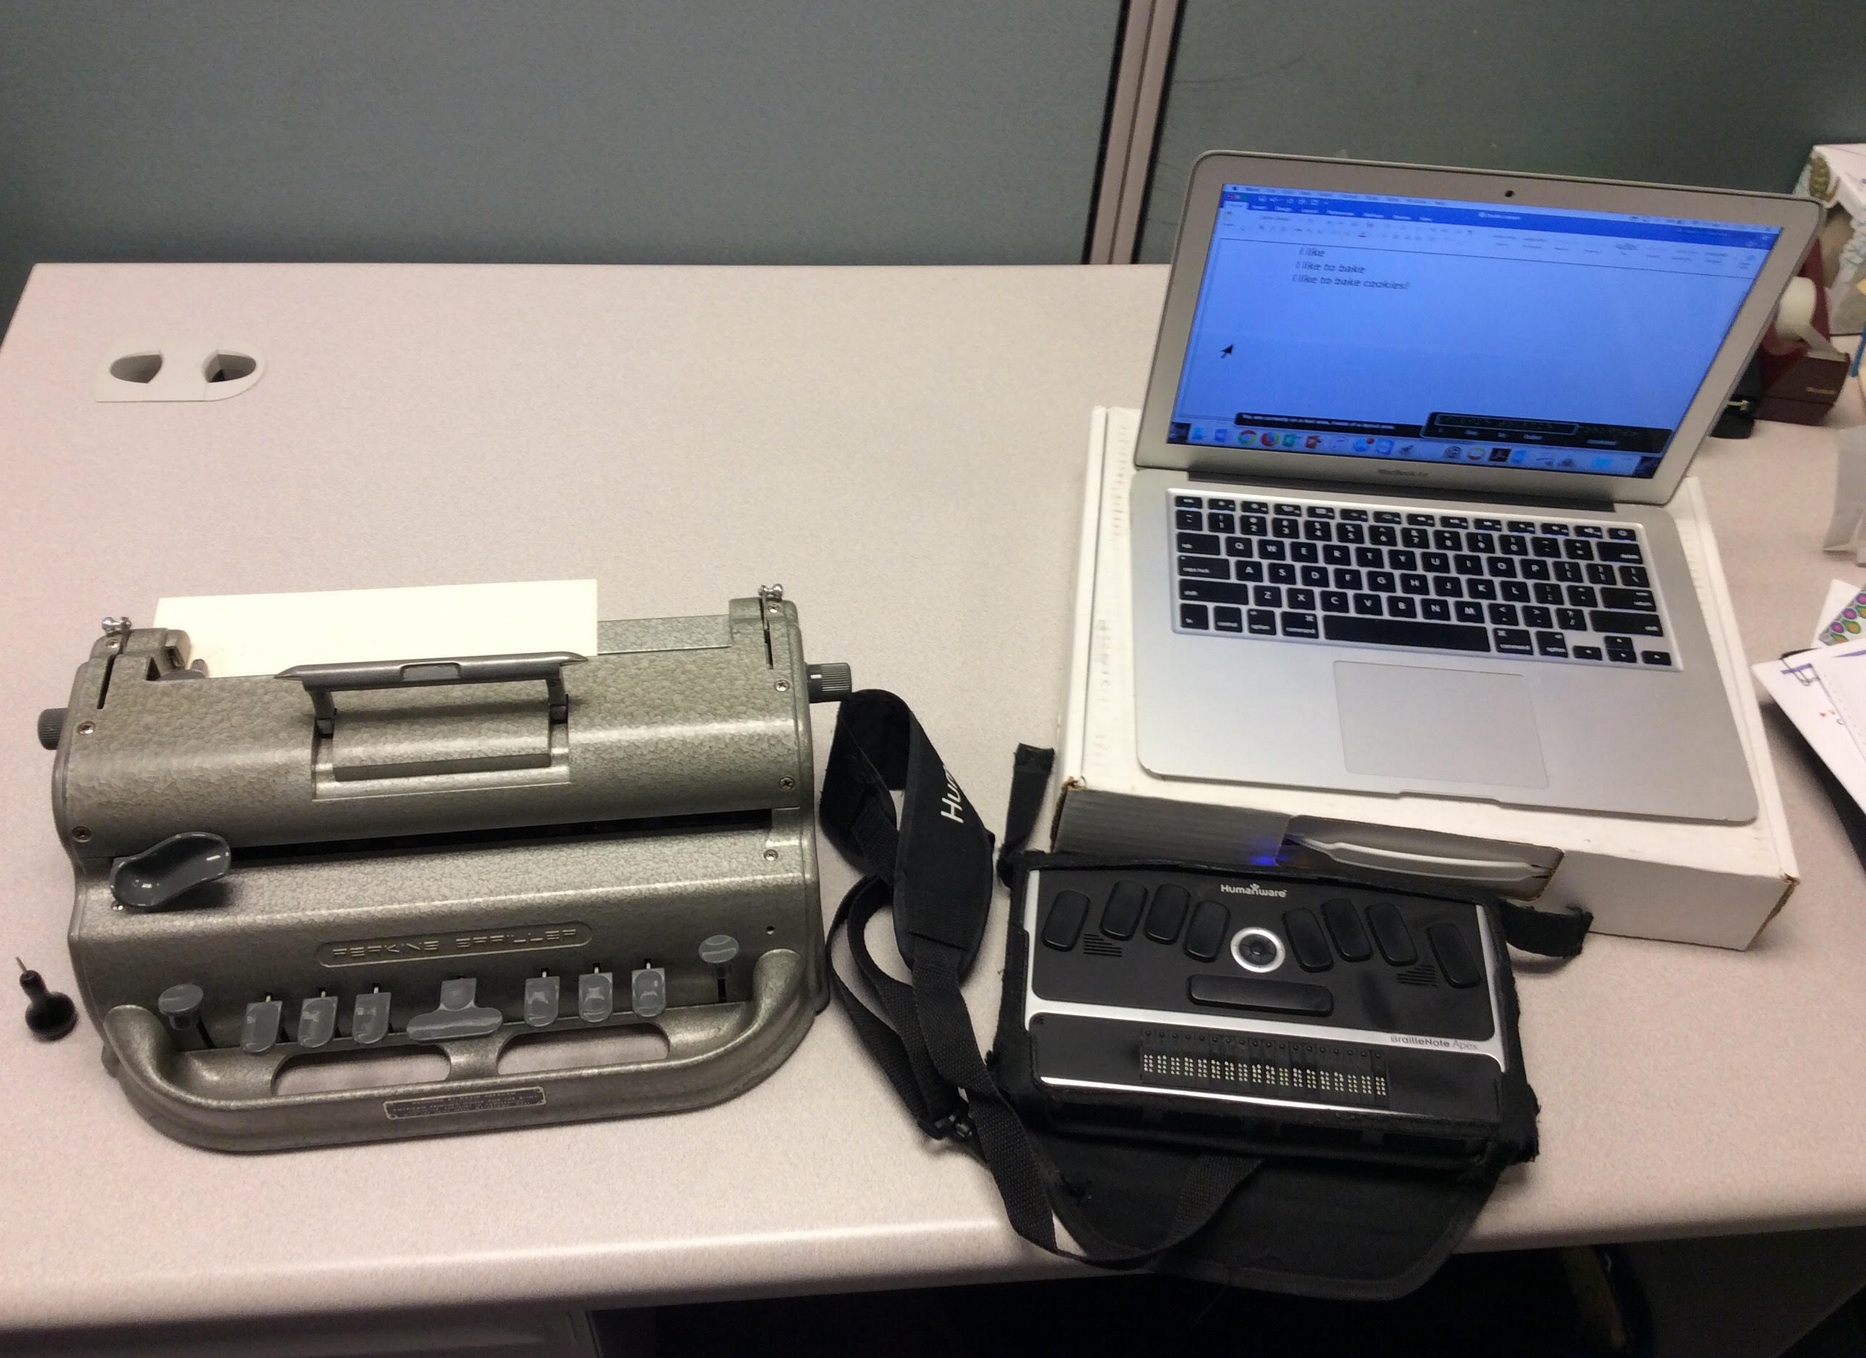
<point>354,902</point>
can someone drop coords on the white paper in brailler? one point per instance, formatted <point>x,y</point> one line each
<point>265,633</point>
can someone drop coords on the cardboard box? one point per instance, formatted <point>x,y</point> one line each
<point>1690,882</point>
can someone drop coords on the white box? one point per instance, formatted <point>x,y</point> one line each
<point>1691,882</point>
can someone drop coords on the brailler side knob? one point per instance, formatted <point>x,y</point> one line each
<point>51,727</point>
<point>180,1007</point>
<point>830,682</point>
<point>49,1014</point>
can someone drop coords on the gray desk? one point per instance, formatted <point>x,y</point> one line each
<point>903,450</point>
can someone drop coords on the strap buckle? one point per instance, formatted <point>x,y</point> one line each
<point>955,1126</point>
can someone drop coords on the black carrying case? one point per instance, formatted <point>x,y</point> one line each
<point>1323,1202</point>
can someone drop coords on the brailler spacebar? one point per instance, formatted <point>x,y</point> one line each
<point>1446,636</point>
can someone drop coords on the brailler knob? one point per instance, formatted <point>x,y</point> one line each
<point>51,726</point>
<point>49,1014</point>
<point>831,682</point>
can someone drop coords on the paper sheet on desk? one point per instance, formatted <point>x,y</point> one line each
<point>265,633</point>
<point>1796,684</point>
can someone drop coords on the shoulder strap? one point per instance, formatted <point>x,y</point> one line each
<point>932,865</point>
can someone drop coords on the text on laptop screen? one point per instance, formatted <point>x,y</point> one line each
<point>1424,329</point>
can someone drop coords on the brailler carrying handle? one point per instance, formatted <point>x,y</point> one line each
<point>224,1098</point>
<point>321,681</point>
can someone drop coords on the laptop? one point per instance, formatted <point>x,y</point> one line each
<point>1399,518</point>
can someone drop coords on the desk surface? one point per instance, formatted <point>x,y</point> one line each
<point>903,450</point>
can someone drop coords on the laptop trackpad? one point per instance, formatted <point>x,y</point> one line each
<point>1452,726</point>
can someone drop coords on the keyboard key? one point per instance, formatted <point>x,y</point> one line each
<point>1655,657</point>
<point>1533,568</point>
<point>1188,502</point>
<point>1548,594</point>
<point>1453,521</point>
<point>1513,641</point>
<point>1415,537</point>
<point>1321,511</point>
<point>1634,577</point>
<point>1623,535</point>
<point>1513,591</point>
<point>1334,601</point>
<point>1571,619</point>
<point>1382,581</point>
<point>1305,551</point>
<point>1421,520</point>
<point>1558,530</point>
<point>1402,559</point>
<point>1448,540</point>
<point>1443,636</point>
<point>1521,526</point>
<point>1633,600</point>
<point>1504,615</point>
<point>1467,611</point>
<point>1337,555</point>
<point>1221,523</point>
<point>1289,511</point>
<point>1285,528</point>
<point>1639,624</point>
<point>1269,549</point>
<point>1514,544</point>
<point>1302,599</point>
<point>1249,570</point>
<point>1369,557</point>
<point>1355,515</point>
<point>1205,567</point>
<point>1188,518</point>
<point>1282,573</point>
<point>1435,563</point>
<point>1239,547</point>
<point>1437,610</point>
<point>1569,572</point>
<point>1598,573</point>
<point>1225,618</point>
<point>1625,553</point>
<point>1253,524</point>
<point>1385,516</point>
<point>1620,649</point>
<point>1415,584</point>
<point>1260,622</point>
<point>1501,567</point>
<point>1534,615</point>
<point>1487,525</point>
<point>1198,544</point>
<point>1479,588</point>
<point>1401,606</point>
<point>1318,530</point>
<point>1225,506</point>
<point>1586,653</point>
<point>1195,615</point>
<point>1447,587</point>
<point>1552,644</point>
<point>1468,565</point>
<point>1588,530</point>
<point>1300,625</point>
<point>1213,592</point>
<point>1545,547</point>
<point>1577,550</point>
<point>1382,536</point>
<point>1368,605</point>
<point>1348,580</point>
<point>1315,577</point>
<point>1266,596</point>
<point>1350,533</point>
<point>1253,507</point>
<point>1484,544</point>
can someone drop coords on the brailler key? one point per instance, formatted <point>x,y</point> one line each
<point>1454,955</point>
<point>648,991</point>
<point>369,1017</point>
<point>1064,923</point>
<point>1167,913</point>
<point>457,1016</point>
<point>1210,922</point>
<point>317,1020</point>
<point>1344,926</point>
<point>261,1028</point>
<point>596,996</point>
<point>1307,941</point>
<point>541,999</point>
<point>1122,915</point>
<point>1391,933</point>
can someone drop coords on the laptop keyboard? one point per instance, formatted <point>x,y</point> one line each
<point>1558,589</point>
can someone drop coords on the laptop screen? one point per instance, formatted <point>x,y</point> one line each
<point>1424,329</point>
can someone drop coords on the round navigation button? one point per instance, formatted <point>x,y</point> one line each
<point>1257,950</point>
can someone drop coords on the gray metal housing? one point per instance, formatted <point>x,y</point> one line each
<point>450,832</point>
